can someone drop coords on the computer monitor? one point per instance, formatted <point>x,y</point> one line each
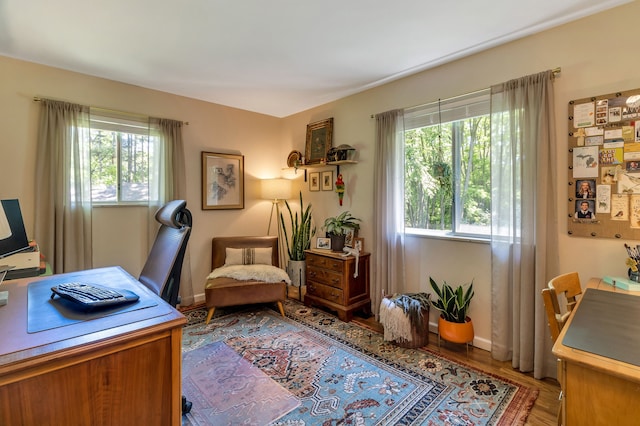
<point>13,237</point>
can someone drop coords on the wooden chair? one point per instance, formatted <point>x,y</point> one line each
<point>569,286</point>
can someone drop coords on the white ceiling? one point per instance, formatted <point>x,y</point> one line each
<point>276,57</point>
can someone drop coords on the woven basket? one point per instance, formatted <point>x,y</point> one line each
<point>417,339</point>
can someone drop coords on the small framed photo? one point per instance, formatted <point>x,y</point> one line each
<point>358,244</point>
<point>222,181</point>
<point>349,237</point>
<point>327,181</point>
<point>314,181</point>
<point>319,141</point>
<point>323,243</point>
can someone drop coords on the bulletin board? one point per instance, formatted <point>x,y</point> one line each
<point>604,166</point>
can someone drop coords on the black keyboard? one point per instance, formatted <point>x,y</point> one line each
<point>91,296</point>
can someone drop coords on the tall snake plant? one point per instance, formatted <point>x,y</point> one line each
<point>454,304</point>
<point>302,230</point>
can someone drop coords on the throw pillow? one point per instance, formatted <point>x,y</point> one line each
<point>248,256</point>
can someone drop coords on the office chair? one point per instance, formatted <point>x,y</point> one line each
<point>161,271</point>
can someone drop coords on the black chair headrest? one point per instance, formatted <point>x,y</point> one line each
<point>174,214</point>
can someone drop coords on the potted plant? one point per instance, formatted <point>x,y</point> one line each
<point>454,324</point>
<point>302,230</point>
<point>337,226</point>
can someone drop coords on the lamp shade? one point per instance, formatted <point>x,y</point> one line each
<point>276,189</point>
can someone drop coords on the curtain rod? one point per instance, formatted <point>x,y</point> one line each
<point>554,71</point>
<point>186,123</point>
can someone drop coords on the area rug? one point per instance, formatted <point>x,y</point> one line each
<point>344,374</point>
<point>225,389</point>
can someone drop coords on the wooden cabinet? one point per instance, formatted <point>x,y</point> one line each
<point>332,282</point>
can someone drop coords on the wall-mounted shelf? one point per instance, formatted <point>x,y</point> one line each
<point>335,164</point>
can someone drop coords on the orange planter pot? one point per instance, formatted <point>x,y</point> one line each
<point>456,332</point>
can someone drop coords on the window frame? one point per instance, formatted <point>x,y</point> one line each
<point>123,123</point>
<point>441,112</point>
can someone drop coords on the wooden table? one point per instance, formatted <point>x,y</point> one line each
<point>597,389</point>
<point>120,369</point>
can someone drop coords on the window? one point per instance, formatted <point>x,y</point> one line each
<point>122,150</point>
<point>447,167</point>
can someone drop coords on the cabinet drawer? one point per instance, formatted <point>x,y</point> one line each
<point>325,292</point>
<point>324,276</point>
<point>325,262</point>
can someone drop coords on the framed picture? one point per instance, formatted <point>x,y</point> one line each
<point>319,140</point>
<point>323,243</point>
<point>327,181</point>
<point>314,181</point>
<point>358,244</point>
<point>222,181</point>
<point>349,237</point>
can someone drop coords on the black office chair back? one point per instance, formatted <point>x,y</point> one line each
<point>161,272</point>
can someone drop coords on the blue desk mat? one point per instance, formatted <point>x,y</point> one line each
<point>45,313</point>
<point>607,323</point>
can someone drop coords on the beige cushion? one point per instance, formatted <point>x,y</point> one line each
<point>248,256</point>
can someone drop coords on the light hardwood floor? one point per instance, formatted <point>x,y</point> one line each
<point>545,409</point>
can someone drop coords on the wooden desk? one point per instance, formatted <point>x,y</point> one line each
<point>121,369</point>
<point>598,390</point>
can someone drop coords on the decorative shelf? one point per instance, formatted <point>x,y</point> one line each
<point>335,164</point>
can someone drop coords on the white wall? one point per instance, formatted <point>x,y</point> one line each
<point>597,56</point>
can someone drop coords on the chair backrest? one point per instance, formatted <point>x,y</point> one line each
<point>554,326</point>
<point>161,272</point>
<point>567,285</point>
<point>219,245</point>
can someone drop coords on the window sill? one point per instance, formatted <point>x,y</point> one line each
<point>446,235</point>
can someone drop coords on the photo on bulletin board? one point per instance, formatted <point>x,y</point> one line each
<point>586,188</point>
<point>585,209</point>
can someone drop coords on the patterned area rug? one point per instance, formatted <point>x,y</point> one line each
<point>225,389</point>
<point>344,374</point>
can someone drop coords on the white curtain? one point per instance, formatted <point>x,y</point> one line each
<point>63,186</point>
<point>167,181</point>
<point>524,242</point>
<point>388,214</point>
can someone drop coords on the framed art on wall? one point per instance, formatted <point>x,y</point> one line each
<point>222,181</point>
<point>327,181</point>
<point>319,141</point>
<point>314,181</point>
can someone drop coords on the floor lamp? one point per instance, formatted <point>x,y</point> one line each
<point>277,190</point>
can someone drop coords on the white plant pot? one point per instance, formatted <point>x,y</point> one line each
<point>296,269</point>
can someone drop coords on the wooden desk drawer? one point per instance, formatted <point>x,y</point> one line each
<point>326,292</point>
<point>325,262</point>
<point>325,276</point>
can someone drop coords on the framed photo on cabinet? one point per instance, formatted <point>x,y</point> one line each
<point>222,181</point>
